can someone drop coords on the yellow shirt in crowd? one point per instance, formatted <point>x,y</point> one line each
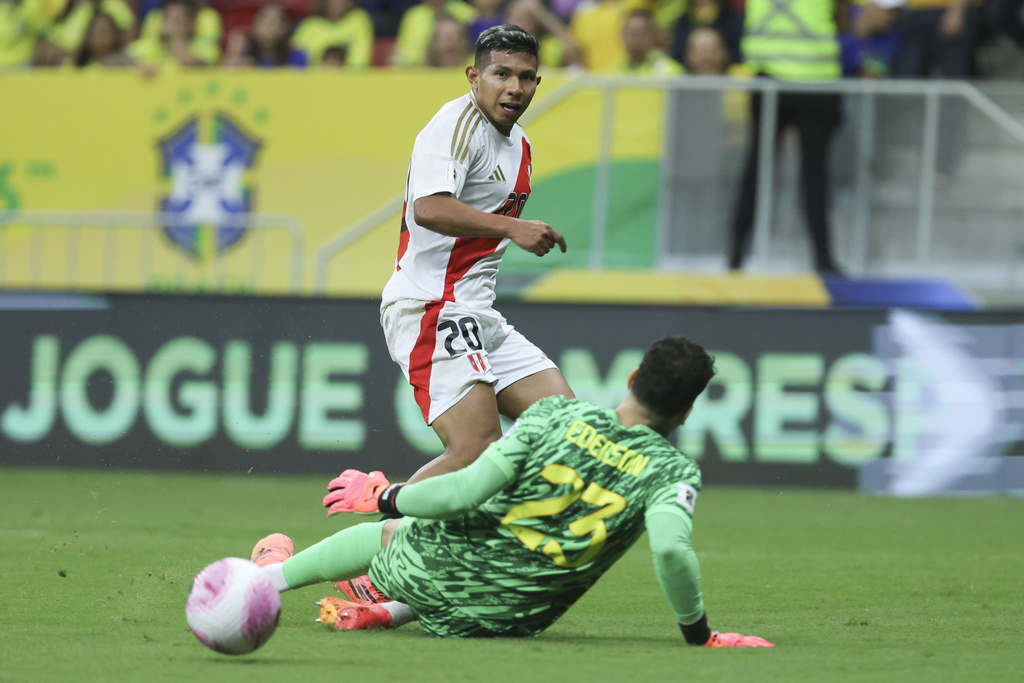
<point>70,33</point>
<point>20,25</point>
<point>148,49</point>
<point>354,32</point>
<point>417,28</point>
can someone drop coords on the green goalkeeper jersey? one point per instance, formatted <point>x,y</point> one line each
<point>569,489</point>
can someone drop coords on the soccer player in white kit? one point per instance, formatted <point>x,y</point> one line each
<point>468,180</point>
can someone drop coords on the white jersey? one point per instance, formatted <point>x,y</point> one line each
<point>459,152</point>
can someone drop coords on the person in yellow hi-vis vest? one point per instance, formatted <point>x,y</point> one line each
<point>793,40</point>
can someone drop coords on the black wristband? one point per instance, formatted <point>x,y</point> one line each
<point>697,633</point>
<point>386,500</point>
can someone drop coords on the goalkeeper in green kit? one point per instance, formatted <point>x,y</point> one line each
<point>506,545</point>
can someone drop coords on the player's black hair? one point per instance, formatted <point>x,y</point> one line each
<point>504,38</point>
<point>672,374</point>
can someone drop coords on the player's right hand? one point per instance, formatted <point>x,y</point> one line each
<point>537,237</point>
<point>736,640</point>
<point>355,491</point>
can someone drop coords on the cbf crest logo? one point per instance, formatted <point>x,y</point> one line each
<point>206,161</point>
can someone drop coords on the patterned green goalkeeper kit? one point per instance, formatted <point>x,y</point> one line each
<point>578,488</point>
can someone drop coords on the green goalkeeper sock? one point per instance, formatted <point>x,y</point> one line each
<point>344,555</point>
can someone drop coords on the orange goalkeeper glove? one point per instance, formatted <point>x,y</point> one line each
<point>355,491</point>
<point>699,633</point>
<point>736,640</point>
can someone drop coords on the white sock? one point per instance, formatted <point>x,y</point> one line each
<point>400,613</point>
<point>276,574</point>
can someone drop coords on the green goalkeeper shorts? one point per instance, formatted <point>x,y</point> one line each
<point>406,570</point>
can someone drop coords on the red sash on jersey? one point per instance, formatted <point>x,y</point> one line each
<point>466,253</point>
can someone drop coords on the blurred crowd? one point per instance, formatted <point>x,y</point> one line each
<point>661,37</point>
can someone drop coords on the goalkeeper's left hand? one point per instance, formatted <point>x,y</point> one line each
<point>355,491</point>
<point>736,640</point>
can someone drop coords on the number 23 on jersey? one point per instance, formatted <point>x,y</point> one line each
<point>607,503</point>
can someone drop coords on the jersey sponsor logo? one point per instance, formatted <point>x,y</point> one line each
<point>206,164</point>
<point>605,450</point>
<point>687,497</point>
<point>497,175</point>
<point>453,174</point>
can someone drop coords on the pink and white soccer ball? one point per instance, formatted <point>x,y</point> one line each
<point>233,607</point>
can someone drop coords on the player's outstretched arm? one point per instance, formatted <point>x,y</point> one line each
<point>447,215</point>
<point>678,572</point>
<point>440,497</point>
<point>451,494</point>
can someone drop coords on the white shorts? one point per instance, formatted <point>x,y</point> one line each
<point>444,348</point>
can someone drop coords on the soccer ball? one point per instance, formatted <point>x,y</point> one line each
<point>233,606</point>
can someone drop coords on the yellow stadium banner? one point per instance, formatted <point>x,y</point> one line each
<point>121,182</point>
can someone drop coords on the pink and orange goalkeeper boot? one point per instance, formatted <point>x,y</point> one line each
<point>361,591</point>
<point>350,616</point>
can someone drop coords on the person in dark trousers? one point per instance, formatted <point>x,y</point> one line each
<point>793,40</point>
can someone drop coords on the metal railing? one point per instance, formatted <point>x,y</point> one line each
<point>862,98</point>
<point>897,215</point>
<point>149,225</point>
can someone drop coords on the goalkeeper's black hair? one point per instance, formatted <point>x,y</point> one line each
<point>672,374</point>
<point>506,38</point>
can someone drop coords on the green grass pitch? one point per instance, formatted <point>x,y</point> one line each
<point>97,564</point>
